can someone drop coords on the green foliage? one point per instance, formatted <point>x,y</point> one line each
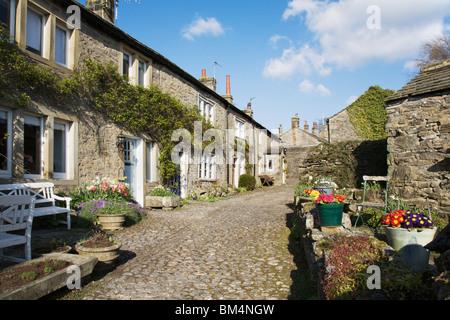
<point>368,113</point>
<point>247,181</point>
<point>348,258</point>
<point>137,109</point>
<point>162,192</point>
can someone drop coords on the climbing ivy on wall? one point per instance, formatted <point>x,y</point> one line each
<point>138,109</point>
<point>368,113</point>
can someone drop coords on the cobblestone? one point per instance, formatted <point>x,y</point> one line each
<point>231,249</point>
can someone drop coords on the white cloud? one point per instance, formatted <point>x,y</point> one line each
<point>342,39</point>
<point>200,27</point>
<point>308,87</point>
<point>293,61</point>
<point>276,38</point>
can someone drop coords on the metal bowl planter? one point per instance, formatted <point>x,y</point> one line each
<point>324,189</point>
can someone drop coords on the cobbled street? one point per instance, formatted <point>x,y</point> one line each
<point>231,249</point>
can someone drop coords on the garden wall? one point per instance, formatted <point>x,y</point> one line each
<point>345,162</point>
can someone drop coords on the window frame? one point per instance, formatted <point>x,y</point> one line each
<point>127,76</point>
<point>41,139</point>
<point>207,168</point>
<point>67,45</point>
<point>7,173</point>
<point>42,31</point>
<point>144,74</point>
<point>11,17</point>
<point>62,175</point>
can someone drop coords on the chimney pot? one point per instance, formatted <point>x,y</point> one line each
<point>203,73</point>
<point>228,85</point>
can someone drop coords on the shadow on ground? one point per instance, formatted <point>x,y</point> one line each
<point>301,288</point>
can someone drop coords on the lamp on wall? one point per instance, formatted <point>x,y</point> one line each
<point>120,143</point>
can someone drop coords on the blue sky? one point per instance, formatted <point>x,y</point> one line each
<point>308,57</point>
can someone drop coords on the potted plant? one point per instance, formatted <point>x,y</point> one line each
<point>102,247</point>
<point>109,215</point>
<point>161,197</point>
<point>408,233</point>
<point>401,225</point>
<point>325,186</point>
<point>330,208</point>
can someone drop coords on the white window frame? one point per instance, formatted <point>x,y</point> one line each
<point>67,49</point>
<point>269,164</point>
<point>43,22</point>
<point>7,173</point>
<point>11,19</point>
<point>206,109</point>
<point>62,175</point>
<point>130,65</point>
<point>41,129</point>
<point>239,129</point>
<point>144,75</point>
<point>150,162</point>
<point>207,168</point>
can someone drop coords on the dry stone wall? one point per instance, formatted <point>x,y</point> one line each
<point>418,144</point>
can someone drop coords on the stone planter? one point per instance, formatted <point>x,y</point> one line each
<point>166,203</point>
<point>54,281</point>
<point>111,222</point>
<point>330,214</point>
<point>106,256</point>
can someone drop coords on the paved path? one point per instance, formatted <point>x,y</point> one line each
<point>231,249</point>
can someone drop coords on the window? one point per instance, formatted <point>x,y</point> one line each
<point>270,164</point>
<point>32,146</point>
<point>239,129</point>
<point>35,26</point>
<point>8,15</point>
<point>207,167</point>
<point>5,143</point>
<point>61,45</point>
<point>60,134</point>
<point>206,110</point>
<point>126,66</point>
<point>141,73</point>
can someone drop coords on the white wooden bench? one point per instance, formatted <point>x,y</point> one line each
<point>45,198</point>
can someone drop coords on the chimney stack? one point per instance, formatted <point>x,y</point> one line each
<point>315,129</point>
<point>103,8</point>
<point>295,121</point>
<point>228,95</point>
<point>280,130</point>
<point>209,82</point>
<point>249,110</point>
<point>306,126</point>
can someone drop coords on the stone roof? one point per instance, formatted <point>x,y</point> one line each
<point>432,78</point>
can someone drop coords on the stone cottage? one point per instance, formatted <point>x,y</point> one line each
<point>71,148</point>
<point>417,131</point>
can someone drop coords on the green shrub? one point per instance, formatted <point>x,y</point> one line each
<point>247,181</point>
<point>162,192</point>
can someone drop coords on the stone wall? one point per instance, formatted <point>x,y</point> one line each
<point>418,144</point>
<point>341,129</point>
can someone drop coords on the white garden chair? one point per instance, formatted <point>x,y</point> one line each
<point>16,214</point>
